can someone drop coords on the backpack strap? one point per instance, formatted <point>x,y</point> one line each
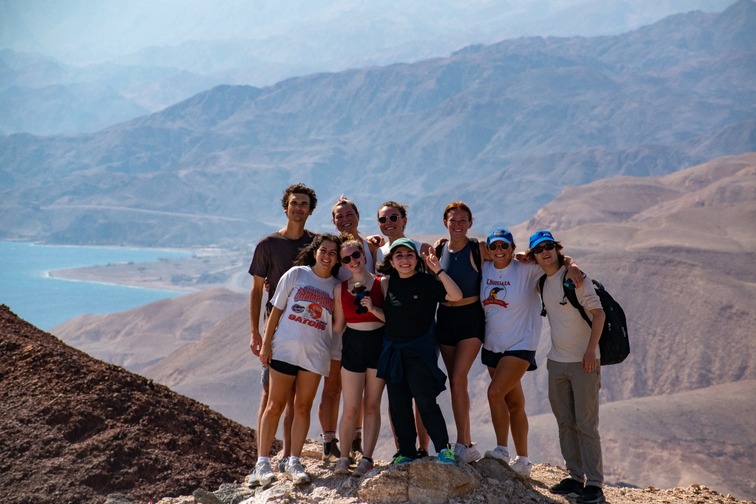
<point>570,294</point>
<point>542,281</point>
<point>475,249</point>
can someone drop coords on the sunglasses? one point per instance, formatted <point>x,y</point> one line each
<point>498,244</point>
<point>354,255</point>
<point>545,246</point>
<point>392,218</point>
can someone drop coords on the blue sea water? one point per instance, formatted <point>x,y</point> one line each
<point>45,302</point>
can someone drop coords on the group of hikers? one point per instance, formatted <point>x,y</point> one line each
<point>375,312</point>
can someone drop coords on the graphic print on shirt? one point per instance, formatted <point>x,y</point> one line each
<point>496,292</point>
<point>311,301</point>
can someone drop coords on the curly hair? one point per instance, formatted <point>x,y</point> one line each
<point>306,256</point>
<point>299,189</point>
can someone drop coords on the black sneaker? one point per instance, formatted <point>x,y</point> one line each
<point>357,445</point>
<point>590,495</point>
<point>422,453</point>
<point>331,452</point>
<point>567,486</point>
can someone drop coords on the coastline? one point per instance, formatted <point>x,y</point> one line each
<point>188,274</point>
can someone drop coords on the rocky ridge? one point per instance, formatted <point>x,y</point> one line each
<point>77,430</point>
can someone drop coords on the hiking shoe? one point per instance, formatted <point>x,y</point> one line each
<point>281,466</point>
<point>446,456</point>
<point>356,447</point>
<point>342,466</point>
<point>262,475</point>
<point>590,495</point>
<point>364,466</point>
<point>422,453</point>
<point>521,467</point>
<point>401,459</point>
<point>499,454</point>
<point>468,454</point>
<point>331,452</point>
<point>297,474</point>
<point>567,486</point>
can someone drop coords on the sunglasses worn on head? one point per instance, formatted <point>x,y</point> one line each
<point>545,246</point>
<point>354,255</point>
<point>392,218</point>
<point>498,244</point>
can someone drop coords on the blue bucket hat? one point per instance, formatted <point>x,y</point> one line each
<point>499,234</point>
<point>540,236</point>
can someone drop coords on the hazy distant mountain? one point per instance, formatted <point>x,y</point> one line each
<point>675,250</point>
<point>504,127</point>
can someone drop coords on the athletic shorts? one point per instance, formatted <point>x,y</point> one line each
<point>285,368</point>
<point>361,349</point>
<point>457,323</point>
<point>491,359</point>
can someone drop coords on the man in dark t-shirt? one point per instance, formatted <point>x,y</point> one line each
<point>273,257</point>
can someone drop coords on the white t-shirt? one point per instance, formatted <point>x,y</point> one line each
<point>512,306</point>
<point>569,331</point>
<point>384,250</point>
<point>304,336</point>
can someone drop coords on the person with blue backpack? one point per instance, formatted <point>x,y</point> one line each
<point>574,370</point>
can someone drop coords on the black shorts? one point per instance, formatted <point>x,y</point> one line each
<point>285,368</point>
<point>360,349</point>
<point>457,323</point>
<point>491,359</point>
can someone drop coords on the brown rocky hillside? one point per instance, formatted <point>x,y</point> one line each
<point>75,429</point>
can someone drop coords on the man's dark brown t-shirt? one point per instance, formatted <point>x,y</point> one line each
<point>273,257</point>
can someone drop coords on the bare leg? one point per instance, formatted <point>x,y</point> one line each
<point>279,391</point>
<point>307,387</point>
<point>353,385</point>
<point>373,394</point>
<point>458,362</point>
<point>288,420</point>
<point>518,420</point>
<point>328,411</point>
<point>504,378</point>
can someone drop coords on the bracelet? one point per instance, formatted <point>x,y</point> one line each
<point>439,272</point>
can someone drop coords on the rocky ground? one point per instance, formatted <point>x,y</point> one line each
<point>77,430</point>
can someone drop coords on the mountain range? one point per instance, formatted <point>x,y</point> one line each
<point>675,250</point>
<point>78,67</point>
<point>503,126</point>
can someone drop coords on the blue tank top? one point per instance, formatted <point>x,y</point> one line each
<point>458,265</point>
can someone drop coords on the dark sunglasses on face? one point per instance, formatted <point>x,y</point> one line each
<point>498,244</point>
<point>545,246</point>
<point>354,255</point>
<point>392,217</point>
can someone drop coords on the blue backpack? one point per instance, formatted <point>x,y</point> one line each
<point>614,344</point>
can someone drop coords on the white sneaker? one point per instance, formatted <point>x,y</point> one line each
<point>521,467</point>
<point>261,475</point>
<point>499,454</point>
<point>297,474</point>
<point>468,454</point>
